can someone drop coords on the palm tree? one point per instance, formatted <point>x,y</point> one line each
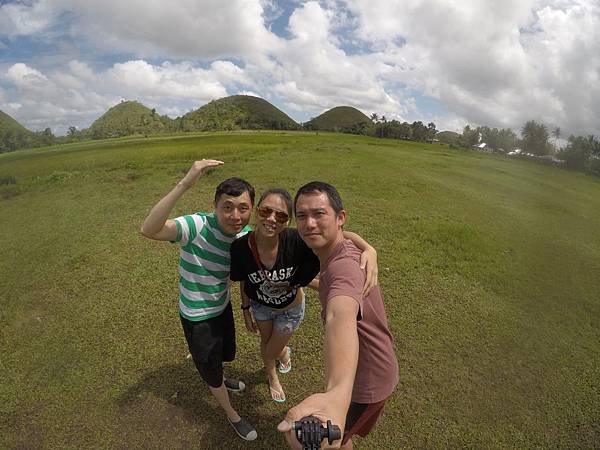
<point>535,138</point>
<point>556,136</point>
<point>431,131</point>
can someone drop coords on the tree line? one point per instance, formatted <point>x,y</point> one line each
<point>580,153</point>
<point>379,126</point>
<point>14,139</point>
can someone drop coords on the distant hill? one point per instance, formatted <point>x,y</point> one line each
<point>340,118</point>
<point>8,123</point>
<point>448,137</point>
<point>13,135</point>
<point>129,118</point>
<point>237,112</point>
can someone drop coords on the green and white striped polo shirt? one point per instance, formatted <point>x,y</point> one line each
<point>204,264</point>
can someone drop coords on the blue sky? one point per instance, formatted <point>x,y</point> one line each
<point>478,62</point>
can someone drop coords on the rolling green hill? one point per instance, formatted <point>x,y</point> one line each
<point>237,112</point>
<point>339,118</point>
<point>488,266</point>
<point>8,123</point>
<point>129,118</point>
<point>13,135</point>
<point>448,137</point>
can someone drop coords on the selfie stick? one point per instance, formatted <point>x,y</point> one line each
<point>310,432</point>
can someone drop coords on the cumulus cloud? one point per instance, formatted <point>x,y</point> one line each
<point>140,79</point>
<point>308,73</point>
<point>485,63</point>
<point>41,100</point>
<point>499,63</point>
<point>25,77</point>
<point>20,19</point>
<point>204,29</point>
<point>315,74</point>
<point>77,95</point>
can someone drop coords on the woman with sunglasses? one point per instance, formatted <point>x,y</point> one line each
<point>272,264</point>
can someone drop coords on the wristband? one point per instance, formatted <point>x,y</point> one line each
<point>245,308</point>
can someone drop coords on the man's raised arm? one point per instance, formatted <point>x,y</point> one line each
<point>158,225</point>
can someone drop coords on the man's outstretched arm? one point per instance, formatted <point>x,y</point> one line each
<point>158,225</point>
<point>341,348</point>
<point>341,351</point>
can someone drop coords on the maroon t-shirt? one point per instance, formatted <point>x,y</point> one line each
<point>377,371</point>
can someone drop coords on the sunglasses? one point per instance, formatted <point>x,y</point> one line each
<point>265,211</point>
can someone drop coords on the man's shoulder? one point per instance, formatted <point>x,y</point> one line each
<point>202,216</point>
<point>198,218</point>
<point>344,262</point>
<point>207,217</point>
<point>342,275</point>
<point>189,226</point>
<point>346,254</point>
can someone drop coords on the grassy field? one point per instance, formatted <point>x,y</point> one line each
<point>490,270</point>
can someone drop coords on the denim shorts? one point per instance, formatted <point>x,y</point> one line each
<point>285,322</point>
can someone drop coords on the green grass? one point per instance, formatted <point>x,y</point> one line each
<point>489,269</point>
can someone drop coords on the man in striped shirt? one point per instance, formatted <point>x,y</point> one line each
<point>204,300</point>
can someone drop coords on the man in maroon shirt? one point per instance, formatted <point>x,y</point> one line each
<point>362,370</point>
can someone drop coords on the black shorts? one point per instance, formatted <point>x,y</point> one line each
<point>211,342</point>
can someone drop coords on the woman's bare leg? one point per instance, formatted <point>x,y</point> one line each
<point>273,345</point>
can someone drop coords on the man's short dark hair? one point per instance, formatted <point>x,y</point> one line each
<point>234,187</point>
<point>318,187</point>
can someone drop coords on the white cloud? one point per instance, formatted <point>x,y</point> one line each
<point>489,63</point>
<point>25,77</point>
<point>314,74</point>
<point>49,100</point>
<point>203,29</point>
<point>498,63</point>
<point>251,93</point>
<point>19,19</point>
<point>308,73</point>
<point>76,95</point>
<point>229,73</point>
<point>140,79</point>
